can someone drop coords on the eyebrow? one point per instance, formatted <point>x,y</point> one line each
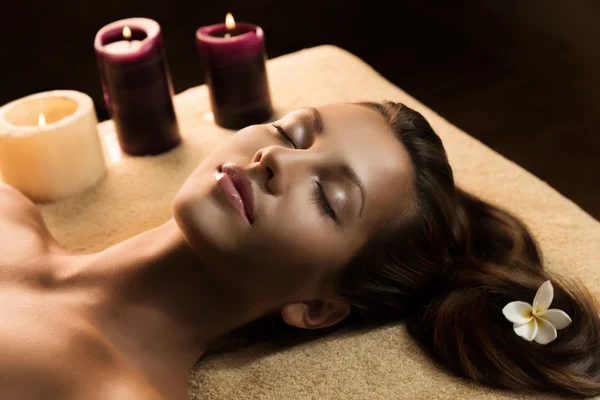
<point>350,173</point>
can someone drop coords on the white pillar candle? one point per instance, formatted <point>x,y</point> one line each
<point>55,160</point>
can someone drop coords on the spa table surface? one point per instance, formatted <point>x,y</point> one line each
<point>384,363</point>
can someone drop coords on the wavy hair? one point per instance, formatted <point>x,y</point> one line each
<point>451,266</point>
<point>447,269</point>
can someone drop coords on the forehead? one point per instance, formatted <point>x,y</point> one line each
<point>362,138</point>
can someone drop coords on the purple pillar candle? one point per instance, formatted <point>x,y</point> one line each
<point>233,61</point>
<point>137,85</point>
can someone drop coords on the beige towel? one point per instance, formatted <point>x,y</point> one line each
<point>383,364</point>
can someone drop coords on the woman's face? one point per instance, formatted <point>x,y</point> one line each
<point>323,180</point>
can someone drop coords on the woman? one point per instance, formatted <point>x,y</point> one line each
<point>348,211</point>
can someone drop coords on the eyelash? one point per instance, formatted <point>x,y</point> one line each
<point>284,135</point>
<point>318,194</point>
<point>319,199</point>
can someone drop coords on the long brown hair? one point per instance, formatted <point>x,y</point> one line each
<point>448,269</point>
<point>451,266</point>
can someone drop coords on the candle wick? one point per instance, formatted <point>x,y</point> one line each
<point>227,35</point>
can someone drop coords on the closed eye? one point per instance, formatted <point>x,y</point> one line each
<point>284,135</point>
<point>320,199</point>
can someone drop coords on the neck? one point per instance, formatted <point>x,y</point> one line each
<point>155,300</point>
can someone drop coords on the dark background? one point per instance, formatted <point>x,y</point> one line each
<point>519,75</point>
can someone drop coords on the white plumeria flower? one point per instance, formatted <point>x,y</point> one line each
<point>537,322</point>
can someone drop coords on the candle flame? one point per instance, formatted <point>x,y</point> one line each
<point>126,32</point>
<point>229,21</point>
<point>41,120</point>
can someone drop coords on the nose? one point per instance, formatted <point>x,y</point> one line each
<point>281,167</point>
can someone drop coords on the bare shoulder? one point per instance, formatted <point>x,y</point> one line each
<point>119,381</point>
<point>40,348</point>
<point>115,388</point>
<point>116,380</point>
<point>23,231</point>
<point>58,385</point>
<point>50,355</point>
<point>15,204</point>
<point>19,215</point>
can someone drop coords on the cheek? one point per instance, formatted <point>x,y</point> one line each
<point>297,240</point>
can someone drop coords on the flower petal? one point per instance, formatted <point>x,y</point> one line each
<point>543,297</point>
<point>546,331</point>
<point>527,331</point>
<point>518,312</point>
<point>556,317</point>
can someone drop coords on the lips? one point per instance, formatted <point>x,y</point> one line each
<point>243,186</point>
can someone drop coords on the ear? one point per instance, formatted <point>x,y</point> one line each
<point>314,314</point>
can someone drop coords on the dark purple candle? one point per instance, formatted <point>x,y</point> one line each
<point>234,67</point>
<point>137,85</point>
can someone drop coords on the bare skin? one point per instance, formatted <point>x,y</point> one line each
<point>131,321</point>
